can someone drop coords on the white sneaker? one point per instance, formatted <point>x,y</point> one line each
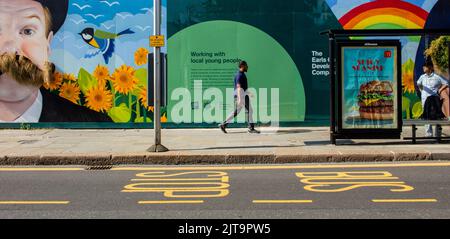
<point>428,135</point>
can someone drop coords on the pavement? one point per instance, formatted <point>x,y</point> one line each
<point>204,146</point>
<point>284,191</point>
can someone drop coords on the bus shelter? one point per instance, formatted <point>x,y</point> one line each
<point>366,82</point>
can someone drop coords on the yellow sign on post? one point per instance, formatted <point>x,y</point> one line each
<point>157,41</point>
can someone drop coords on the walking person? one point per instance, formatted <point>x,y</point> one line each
<point>242,99</point>
<point>429,85</point>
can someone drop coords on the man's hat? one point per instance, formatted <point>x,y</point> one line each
<point>58,10</point>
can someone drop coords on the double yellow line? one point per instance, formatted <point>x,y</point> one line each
<point>403,200</point>
<point>249,167</point>
<point>34,202</point>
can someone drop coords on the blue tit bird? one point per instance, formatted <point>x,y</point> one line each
<point>101,40</point>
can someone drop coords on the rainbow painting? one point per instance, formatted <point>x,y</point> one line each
<point>385,14</point>
<point>381,14</point>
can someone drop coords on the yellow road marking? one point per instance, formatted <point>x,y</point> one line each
<point>268,167</point>
<point>39,169</point>
<point>207,184</point>
<point>403,200</point>
<point>225,180</point>
<point>332,182</point>
<point>172,202</point>
<point>33,202</point>
<point>281,201</point>
<point>393,165</point>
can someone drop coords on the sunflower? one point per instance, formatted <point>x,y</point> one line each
<point>55,82</point>
<point>141,56</point>
<point>99,99</point>
<point>408,82</point>
<point>70,91</point>
<point>70,77</point>
<point>101,73</point>
<point>143,99</point>
<point>407,77</point>
<point>124,79</point>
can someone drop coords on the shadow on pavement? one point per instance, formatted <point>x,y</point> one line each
<point>348,142</point>
<point>278,132</point>
<point>242,147</point>
<point>295,131</point>
<point>405,142</point>
<point>326,142</point>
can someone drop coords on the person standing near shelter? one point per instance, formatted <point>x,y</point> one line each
<point>429,85</point>
<point>242,99</point>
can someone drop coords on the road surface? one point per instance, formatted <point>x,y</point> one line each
<point>384,190</point>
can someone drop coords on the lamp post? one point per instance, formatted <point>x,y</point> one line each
<point>157,147</point>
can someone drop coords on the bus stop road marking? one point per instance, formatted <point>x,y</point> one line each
<point>404,200</point>
<point>281,201</point>
<point>34,202</point>
<point>333,182</point>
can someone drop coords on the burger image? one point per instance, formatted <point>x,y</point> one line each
<point>376,100</point>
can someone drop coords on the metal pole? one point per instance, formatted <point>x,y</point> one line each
<point>157,147</point>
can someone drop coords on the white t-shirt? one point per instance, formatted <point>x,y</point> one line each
<point>431,85</point>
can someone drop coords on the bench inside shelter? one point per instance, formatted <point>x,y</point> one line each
<point>415,123</point>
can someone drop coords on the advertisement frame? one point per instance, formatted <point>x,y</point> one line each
<point>368,133</point>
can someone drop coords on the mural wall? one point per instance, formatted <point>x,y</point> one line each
<point>100,53</point>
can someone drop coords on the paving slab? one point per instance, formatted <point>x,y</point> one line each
<point>204,146</point>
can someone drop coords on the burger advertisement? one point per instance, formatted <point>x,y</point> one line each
<point>376,100</point>
<point>369,87</point>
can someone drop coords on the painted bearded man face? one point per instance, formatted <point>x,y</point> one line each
<point>24,48</point>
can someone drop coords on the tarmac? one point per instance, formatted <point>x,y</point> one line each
<point>204,147</point>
